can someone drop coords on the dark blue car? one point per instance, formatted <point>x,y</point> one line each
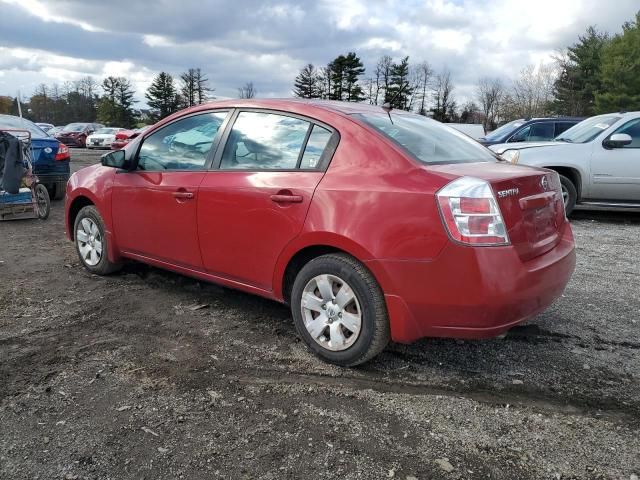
<point>530,130</point>
<point>51,159</point>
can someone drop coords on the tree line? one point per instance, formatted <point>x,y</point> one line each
<point>599,73</point>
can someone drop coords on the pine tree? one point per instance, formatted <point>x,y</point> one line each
<point>621,71</point>
<point>115,108</point>
<point>580,76</point>
<point>306,84</point>
<point>399,88</point>
<point>162,96</point>
<point>345,72</point>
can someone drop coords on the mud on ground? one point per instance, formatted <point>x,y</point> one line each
<point>127,377</point>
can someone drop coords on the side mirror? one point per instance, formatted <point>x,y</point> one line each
<point>115,159</point>
<point>617,140</point>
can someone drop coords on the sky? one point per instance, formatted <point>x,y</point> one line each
<point>268,42</point>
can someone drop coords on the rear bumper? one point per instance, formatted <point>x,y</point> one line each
<point>472,292</point>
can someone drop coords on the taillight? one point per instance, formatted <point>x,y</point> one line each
<point>470,212</point>
<point>63,152</point>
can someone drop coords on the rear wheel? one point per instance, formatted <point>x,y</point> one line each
<point>91,242</point>
<point>569,194</point>
<point>339,310</point>
<point>43,202</point>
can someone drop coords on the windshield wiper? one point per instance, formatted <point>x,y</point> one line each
<point>564,139</point>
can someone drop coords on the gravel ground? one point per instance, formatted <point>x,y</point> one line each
<point>126,377</point>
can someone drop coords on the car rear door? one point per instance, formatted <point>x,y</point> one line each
<point>615,172</point>
<point>255,200</point>
<point>154,206</point>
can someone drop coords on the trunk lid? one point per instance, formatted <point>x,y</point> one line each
<point>530,200</point>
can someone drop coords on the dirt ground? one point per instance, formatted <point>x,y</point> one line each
<point>148,375</point>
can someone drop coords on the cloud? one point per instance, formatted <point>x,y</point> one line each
<point>267,42</point>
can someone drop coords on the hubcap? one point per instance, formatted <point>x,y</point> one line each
<point>89,242</point>
<point>331,312</point>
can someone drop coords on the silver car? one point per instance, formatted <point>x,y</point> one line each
<point>598,160</point>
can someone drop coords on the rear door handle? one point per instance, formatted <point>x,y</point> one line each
<point>183,195</point>
<point>282,198</point>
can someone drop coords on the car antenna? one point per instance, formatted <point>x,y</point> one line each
<point>388,106</point>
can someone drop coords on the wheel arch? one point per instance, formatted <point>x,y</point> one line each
<point>572,174</point>
<point>305,249</point>
<point>77,204</point>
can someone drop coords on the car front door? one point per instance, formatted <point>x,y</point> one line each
<point>154,206</point>
<point>256,199</point>
<point>615,172</point>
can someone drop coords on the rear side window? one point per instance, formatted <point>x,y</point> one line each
<point>181,145</point>
<point>562,127</point>
<point>426,140</point>
<point>318,140</point>
<point>269,141</point>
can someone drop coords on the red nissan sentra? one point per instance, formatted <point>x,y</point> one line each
<point>372,225</point>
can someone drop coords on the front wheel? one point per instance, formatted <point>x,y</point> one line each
<point>339,310</point>
<point>91,242</point>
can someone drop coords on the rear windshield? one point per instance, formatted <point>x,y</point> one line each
<point>588,129</point>
<point>10,122</point>
<point>428,141</point>
<point>504,131</point>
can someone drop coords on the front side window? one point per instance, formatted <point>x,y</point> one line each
<point>426,140</point>
<point>264,141</point>
<point>541,132</point>
<point>632,129</point>
<point>562,127</point>
<point>182,145</point>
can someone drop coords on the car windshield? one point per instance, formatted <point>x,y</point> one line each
<point>428,141</point>
<point>107,131</point>
<point>588,129</point>
<point>74,127</point>
<point>11,122</point>
<point>503,131</point>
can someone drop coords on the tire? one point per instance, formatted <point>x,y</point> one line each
<point>569,193</point>
<point>366,303</point>
<point>93,251</point>
<point>57,190</point>
<point>43,202</point>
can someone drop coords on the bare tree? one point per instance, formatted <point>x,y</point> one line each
<point>383,77</point>
<point>533,90</point>
<point>489,94</point>
<point>442,91</point>
<point>422,78</point>
<point>247,91</point>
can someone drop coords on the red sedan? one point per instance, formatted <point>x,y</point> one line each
<point>125,136</point>
<point>372,225</point>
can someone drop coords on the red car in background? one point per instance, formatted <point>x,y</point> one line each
<point>125,136</point>
<point>373,225</point>
<point>75,134</point>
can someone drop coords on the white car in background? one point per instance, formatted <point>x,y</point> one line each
<point>103,137</point>
<point>598,161</point>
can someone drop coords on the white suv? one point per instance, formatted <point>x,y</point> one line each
<point>598,160</point>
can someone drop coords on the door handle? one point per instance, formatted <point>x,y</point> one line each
<point>183,195</point>
<point>286,198</point>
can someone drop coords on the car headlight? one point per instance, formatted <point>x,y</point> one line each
<point>511,156</point>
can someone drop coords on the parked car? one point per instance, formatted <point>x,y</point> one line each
<point>371,225</point>
<point>125,136</point>
<point>75,134</point>
<point>50,157</point>
<point>598,161</point>
<point>54,131</point>
<point>474,130</point>
<point>103,137</point>
<point>530,130</point>
<point>45,127</point>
